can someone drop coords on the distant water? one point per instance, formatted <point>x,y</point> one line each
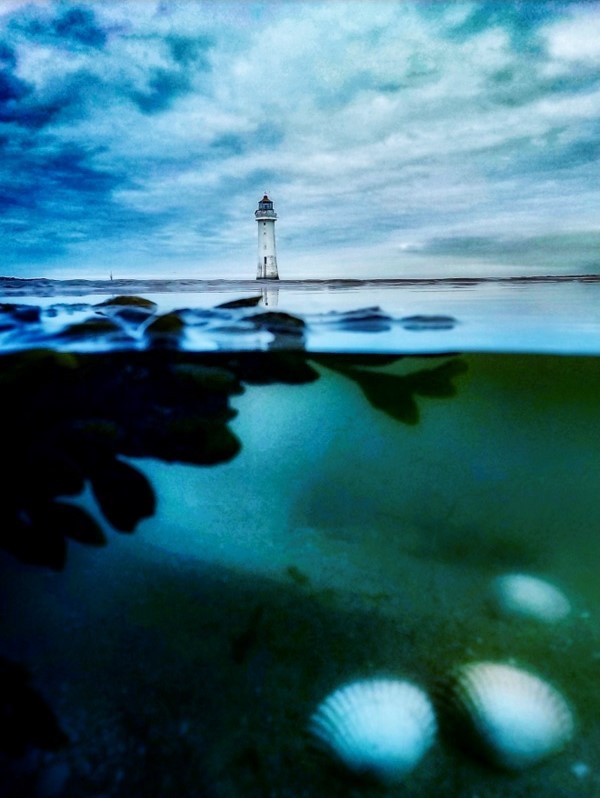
<point>224,500</point>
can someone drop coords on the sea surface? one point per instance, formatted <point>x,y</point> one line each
<point>225,500</point>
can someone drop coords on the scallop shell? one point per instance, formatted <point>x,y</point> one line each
<point>511,717</point>
<point>378,727</point>
<point>528,596</point>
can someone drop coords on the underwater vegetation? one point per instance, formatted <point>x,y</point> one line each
<point>69,419</point>
<point>72,421</point>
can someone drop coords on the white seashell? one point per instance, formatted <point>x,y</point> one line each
<point>529,597</point>
<point>379,727</point>
<point>512,717</point>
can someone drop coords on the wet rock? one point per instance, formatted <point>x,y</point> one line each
<point>245,302</point>
<point>288,330</point>
<point>424,323</point>
<point>168,324</point>
<point>275,321</point>
<point>362,320</point>
<point>128,302</point>
<point>91,329</point>
<point>165,331</point>
<point>133,310</point>
<point>17,314</point>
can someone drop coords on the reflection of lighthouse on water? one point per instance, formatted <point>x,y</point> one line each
<point>270,297</point>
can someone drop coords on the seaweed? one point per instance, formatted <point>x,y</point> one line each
<point>72,420</point>
<point>394,394</point>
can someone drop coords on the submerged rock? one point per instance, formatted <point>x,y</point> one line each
<point>26,719</point>
<point>68,420</point>
<point>128,302</point>
<point>369,320</point>
<point>245,302</point>
<point>92,329</point>
<point>421,322</point>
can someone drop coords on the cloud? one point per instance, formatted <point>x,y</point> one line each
<point>70,27</point>
<point>148,130</point>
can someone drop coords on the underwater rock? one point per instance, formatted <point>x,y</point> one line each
<point>199,379</point>
<point>91,329</point>
<point>376,727</point>
<point>12,316</point>
<point>124,494</point>
<point>369,320</point>
<point>341,361</point>
<point>68,419</point>
<point>28,536</point>
<point>26,720</point>
<point>49,471</point>
<point>526,596</point>
<point>420,322</point>
<point>264,368</point>
<point>193,440</point>
<point>508,716</point>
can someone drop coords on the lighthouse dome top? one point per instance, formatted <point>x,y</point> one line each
<point>265,208</point>
<point>266,202</point>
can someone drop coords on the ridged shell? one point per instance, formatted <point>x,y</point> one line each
<point>513,718</point>
<point>528,596</point>
<point>378,727</point>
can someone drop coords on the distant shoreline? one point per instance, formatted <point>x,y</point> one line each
<point>25,286</point>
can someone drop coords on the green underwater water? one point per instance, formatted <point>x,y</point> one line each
<point>345,521</point>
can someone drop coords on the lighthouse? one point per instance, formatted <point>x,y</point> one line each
<point>267,256</point>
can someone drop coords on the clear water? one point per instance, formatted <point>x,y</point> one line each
<point>355,533</point>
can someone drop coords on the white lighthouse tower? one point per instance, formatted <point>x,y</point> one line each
<point>267,256</point>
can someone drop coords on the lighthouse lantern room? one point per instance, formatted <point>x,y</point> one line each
<point>267,255</point>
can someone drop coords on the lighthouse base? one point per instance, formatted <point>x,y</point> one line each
<point>267,268</point>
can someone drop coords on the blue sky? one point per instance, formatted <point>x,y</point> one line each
<point>395,138</point>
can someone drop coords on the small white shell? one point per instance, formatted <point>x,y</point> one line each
<point>379,727</point>
<point>528,596</point>
<point>512,717</point>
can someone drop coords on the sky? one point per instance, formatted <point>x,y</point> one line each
<point>395,138</point>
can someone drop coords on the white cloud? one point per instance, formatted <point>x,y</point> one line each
<point>374,123</point>
<point>576,39</point>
